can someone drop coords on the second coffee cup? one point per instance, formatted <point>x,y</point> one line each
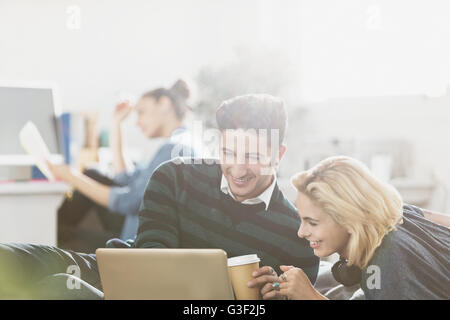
<point>240,269</point>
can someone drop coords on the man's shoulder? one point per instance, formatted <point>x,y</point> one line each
<point>281,204</point>
<point>191,168</point>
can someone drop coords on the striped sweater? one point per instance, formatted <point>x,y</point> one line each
<point>183,207</point>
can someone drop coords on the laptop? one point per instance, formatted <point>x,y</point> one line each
<point>164,274</point>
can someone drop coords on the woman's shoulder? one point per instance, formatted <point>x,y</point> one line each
<point>392,247</point>
<point>410,210</point>
<point>414,236</point>
<point>408,261</point>
<point>414,233</point>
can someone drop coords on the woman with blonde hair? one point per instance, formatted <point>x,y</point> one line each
<point>394,250</point>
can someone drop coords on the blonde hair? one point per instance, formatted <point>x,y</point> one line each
<point>345,189</point>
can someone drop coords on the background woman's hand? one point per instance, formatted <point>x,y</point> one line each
<point>295,285</point>
<point>121,112</point>
<point>61,171</point>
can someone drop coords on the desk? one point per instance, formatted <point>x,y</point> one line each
<point>28,211</point>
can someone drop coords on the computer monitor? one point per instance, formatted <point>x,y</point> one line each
<point>19,104</point>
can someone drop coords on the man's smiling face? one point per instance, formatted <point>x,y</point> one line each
<point>247,163</point>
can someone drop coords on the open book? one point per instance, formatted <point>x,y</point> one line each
<point>31,140</point>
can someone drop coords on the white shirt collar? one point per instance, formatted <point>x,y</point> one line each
<point>265,196</point>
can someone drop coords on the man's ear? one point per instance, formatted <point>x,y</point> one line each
<point>281,153</point>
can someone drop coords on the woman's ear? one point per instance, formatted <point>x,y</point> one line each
<point>165,104</point>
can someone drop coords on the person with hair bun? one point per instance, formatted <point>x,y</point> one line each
<point>391,249</point>
<point>160,114</point>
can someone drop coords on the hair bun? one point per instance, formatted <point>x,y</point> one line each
<point>180,89</point>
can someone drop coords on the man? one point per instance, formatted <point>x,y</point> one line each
<point>235,205</point>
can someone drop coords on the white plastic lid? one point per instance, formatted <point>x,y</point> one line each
<point>240,260</point>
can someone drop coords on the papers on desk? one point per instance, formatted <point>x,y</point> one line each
<point>31,140</point>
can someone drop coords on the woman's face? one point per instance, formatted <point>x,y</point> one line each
<point>151,115</point>
<point>325,236</point>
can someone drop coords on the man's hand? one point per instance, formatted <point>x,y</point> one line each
<point>263,278</point>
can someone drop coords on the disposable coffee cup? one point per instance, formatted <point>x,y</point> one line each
<point>240,270</point>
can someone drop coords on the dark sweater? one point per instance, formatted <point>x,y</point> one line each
<point>183,207</point>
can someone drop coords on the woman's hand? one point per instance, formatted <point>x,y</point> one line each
<point>89,187</point>
<point>264,277</point>
<point>271,292</point>
<point>295,285</point>
<point>121,112</point>
<point>60,172</point>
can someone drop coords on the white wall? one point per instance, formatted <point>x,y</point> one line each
<point>341,48</point>
<point>117,46</point>
<point>374,47</point>
<point>416,119</point>
<point>120,45</point>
